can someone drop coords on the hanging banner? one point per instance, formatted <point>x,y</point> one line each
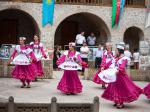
<point>47,12</point>
<point>122,4</point>
<point>114,8</point>
<point>117,12</point>
<point>117,9</point>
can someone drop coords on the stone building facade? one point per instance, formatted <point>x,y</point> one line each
<point>131,18</point>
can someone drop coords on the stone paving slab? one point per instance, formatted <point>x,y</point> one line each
<point>43,90</point>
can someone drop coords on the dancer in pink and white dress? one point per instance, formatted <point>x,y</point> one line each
<point>22,58</point>
<point>147,91</point>
<point>38,50</point>
<point>106,62</point>
<point>123,90</point>
<point>70,61</point>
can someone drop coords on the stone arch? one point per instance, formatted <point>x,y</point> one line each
<point>132,36</point>
<point>83,21</point>
<point>16,23</point>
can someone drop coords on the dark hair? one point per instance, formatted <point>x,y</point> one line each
<point>121,51</point>
<point>24,39</point>
<point>135,50</point>
<point>37,37</point>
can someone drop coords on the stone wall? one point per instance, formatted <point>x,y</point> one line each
<point>131,17</point>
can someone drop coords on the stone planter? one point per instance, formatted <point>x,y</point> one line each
<point>91,70</point>
<point>10,68</point>
<point>144,48</point>
<point>48,69</point>
<point>5,70</point>
<point>140,75</point>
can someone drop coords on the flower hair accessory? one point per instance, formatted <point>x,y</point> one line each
<point>120,45</point>
<point>72,44</point>
<point>24,38</point>
<point>108,44</point>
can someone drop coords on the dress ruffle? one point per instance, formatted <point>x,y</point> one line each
<point>70,82</point>
<point>123,90</point>
<point>147,91</point>
<point>24,72</point>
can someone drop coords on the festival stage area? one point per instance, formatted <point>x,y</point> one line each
<point>43,90</point>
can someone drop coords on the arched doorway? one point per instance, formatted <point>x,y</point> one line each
<point>74,24</point>
<point>132,37</point>
<point>15,23</point>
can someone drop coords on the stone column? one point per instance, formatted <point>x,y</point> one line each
<point>96,104</point>
<point>11,106</point>
<point>54,104</point>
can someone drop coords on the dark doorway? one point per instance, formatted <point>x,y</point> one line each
<point>68,29</point>
<point>8,31</point>
<point>132,37</point>
<point>15,23</point>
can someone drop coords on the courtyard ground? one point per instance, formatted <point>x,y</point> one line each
<point>43,90</point>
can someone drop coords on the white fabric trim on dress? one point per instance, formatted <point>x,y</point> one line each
<point>31,43</point>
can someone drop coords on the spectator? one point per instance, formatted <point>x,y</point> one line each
<point>128,54</point>
<point>84,50</point>
<point>80,39</point>
<point>136,56</point>
<point>91,40</point>
<point>98,56</point>
<point>57,55</point>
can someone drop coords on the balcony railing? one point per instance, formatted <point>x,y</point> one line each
<point>128,3</point>
<point>135,3</point>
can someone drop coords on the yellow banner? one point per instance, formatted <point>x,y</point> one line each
<point>48,1</point>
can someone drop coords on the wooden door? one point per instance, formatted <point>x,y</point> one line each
<point>8,31</point>
<point>69,30</point>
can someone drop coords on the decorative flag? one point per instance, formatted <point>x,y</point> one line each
<point>117,9</point>
<point>117,12</point>
<point>114,8</point>
<point>47,12</point>
<point>121,8</point>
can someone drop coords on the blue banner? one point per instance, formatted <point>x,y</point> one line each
<point>47,12</point>
<point>122,4</point>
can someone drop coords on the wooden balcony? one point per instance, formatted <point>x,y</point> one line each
<point>128,3</point>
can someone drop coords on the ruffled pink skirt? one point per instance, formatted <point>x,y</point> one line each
<point>70,82</point>
<point>123,90</point>
<point>147,91</point>
<point>24,72</point>
<point>96,78</point>
<point>39,69</point>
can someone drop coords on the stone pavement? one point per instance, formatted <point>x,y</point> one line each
<point>43,90</point>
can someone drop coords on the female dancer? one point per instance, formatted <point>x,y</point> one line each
<point>24,70</point>
<point>106,62</point>
<point>70,82</point>
<point>57,55</point>
<point>38,50</point>
<point>123,89</point>
<point>147,91</point>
